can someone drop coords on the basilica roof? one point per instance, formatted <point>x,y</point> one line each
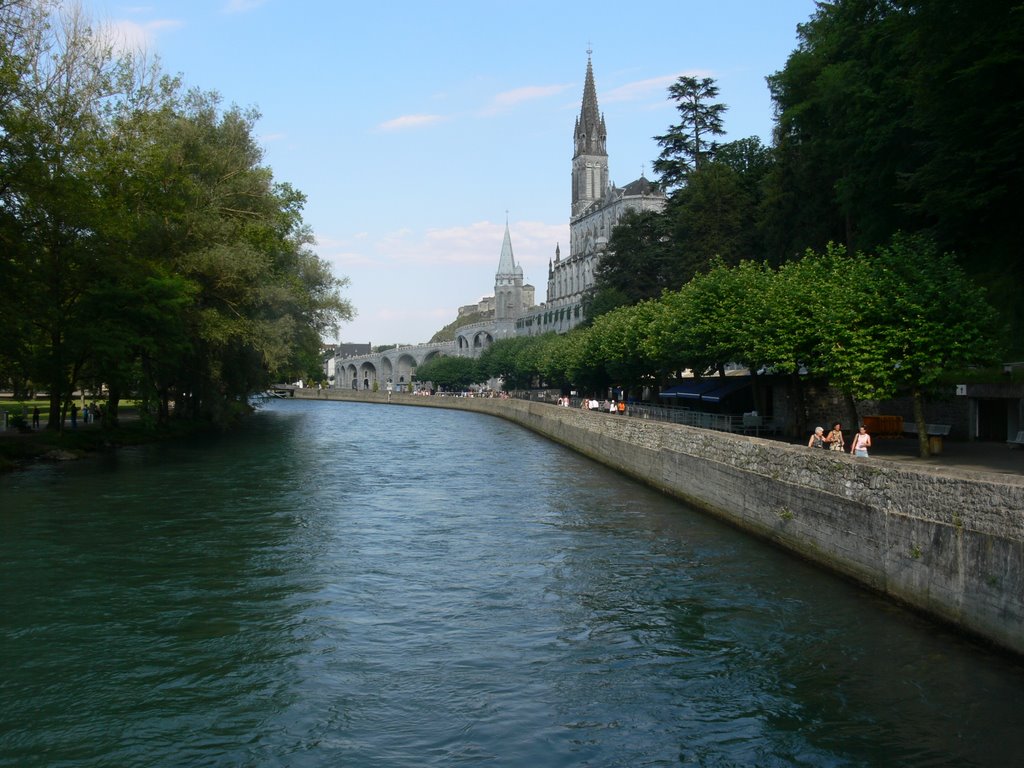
<point>642,186</point>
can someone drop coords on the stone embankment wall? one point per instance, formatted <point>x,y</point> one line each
<point>949,545</point>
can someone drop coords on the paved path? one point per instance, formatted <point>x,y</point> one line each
<point>956,456</point>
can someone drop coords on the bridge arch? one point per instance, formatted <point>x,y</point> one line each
<point>347,376</point>
<point>481,341</point>
<point>367,375</point>
<point>399,364</point>
<point>398,368</point>
<point>405,370</point>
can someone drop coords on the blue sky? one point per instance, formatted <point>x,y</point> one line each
<point>413,127</point>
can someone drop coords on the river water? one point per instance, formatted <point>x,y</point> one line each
<point>342,584</point>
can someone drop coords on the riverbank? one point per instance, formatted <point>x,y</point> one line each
<point>947,542</point>
<point>22,449</point>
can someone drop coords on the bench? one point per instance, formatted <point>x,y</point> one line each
<point>1018,440</point>
<point>755,422</point>
<point>933,430</point>
<point>935,434</point>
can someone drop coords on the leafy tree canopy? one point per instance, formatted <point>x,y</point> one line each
<point>453,374</point>
<point>691,141</point>
<point>147,249</point>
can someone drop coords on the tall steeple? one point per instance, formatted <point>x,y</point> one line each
<point>507,262</point>
<point>590,161</point>
<point>508,283</point>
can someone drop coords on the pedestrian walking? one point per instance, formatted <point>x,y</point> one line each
<point>835,438</point>
<point>860,443</point>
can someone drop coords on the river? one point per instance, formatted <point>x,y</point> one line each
<point>345,584</point>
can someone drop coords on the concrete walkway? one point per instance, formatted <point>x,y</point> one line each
<point>956,456</point>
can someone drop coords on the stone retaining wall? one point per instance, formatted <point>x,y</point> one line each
<point>947,544</point>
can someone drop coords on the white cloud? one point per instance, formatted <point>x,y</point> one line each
<point>128,35</point>
<point>643,89</point>
<point>409,122</point>
<point>241,6</point>
<point>409,282</point>
<point>476,244</point>
<point>508,99</point>
<point>440,316</point>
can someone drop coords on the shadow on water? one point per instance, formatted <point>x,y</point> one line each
<point>349,584</point>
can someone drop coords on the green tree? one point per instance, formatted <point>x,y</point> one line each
<point>506,359</point>
<point>618,338</point>
<point>638,265</point>
<point>806,303</point>
<point>691,141</point>
<point>749,159</point>
<point>713,216</point>
<point>713,320</point>
<point>261,298</point>
<point>450,373</point>
<point>844,144</point>
<point>548,356</point>
<point>901,116</point>
<point>920,318</point>
<point>58,83</point>
<point>965,67</point>
<point>575,361</point>
<point>146,247</point>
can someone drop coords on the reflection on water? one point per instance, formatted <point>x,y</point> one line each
<point>347,584</point>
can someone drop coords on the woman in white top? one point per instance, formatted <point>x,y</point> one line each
<point>860,443</point>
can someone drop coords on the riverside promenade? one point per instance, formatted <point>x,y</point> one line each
<point>944,536</point>
<point>967,459</point>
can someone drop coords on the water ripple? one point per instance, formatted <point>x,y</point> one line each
<point>364,585</point>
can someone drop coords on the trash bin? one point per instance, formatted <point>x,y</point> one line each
<point>935,444</point>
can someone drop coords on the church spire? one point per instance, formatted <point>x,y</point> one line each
<point>508,283</point>
<point>590,130</point>
<point>590,161</point>
<point>507,262</point>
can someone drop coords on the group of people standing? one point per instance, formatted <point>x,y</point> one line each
<point>611,406</point>
<point>834,440</point>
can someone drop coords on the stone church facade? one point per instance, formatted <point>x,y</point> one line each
<point>597,207</point>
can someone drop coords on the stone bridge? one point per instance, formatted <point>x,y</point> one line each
<point>398,365</point>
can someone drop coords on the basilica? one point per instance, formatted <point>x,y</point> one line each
<point>597,207</point>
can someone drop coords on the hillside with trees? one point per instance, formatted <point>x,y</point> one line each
<point>448,332</point>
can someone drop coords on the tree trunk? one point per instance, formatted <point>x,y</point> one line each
<point>110,412</point>
<point>851,411</point>
<point>55,420</point>
<point>796,400</point>
<point>164,407</point>
<point>922,427</point>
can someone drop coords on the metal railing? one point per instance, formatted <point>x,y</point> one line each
<point>721,422</point>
